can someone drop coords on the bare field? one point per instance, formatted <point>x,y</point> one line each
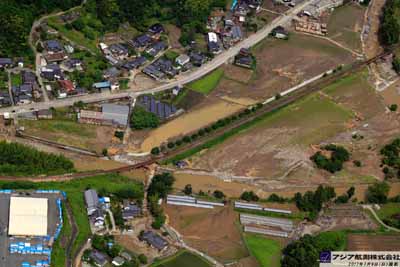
<point>345,25</point>
<point>391,95</point>
<point>90,137</point>
<point>212,231</point>
<point>282,64</point>
<point>279,142</point>
<point>275,152</point>
<point>370,242</point>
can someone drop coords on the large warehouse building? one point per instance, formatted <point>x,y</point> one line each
<point>28,216</point>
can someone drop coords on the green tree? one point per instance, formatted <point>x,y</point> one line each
<point>378,193</point>
<point>188,189</point>
<point>219,194</point>
<point>142,119</point>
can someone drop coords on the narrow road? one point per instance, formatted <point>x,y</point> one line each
<point>369,207</point>
<point>114,228</point>
<point>10,87</point>
<point>183,79</point>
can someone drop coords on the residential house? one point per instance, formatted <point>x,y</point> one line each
<point>28,77</point>
<point>97,218</point>
<point>236,34</point>
<point>52,72</point>
<point>156,29</point>
<point>229,20</point>
<point>244,61</point>
<point>126,256</point>
<point>118,261</point>
<point>134,64</point>
<point>66,86</point>
<point>154,72</point>
<point>55,57</point>
<point>44,114</point>
<point>5,99</point>
<point>53,46</point>
<point>213,43</point>
<point>92,201</point>
<point>22,94</point>
<point>71,65</point>
<point>182,60</point>
<point>280,32</point>
<point>99,259</point>
<point>5,62</point>
<point>28,116</point>
<point>102,86</point>
<point>119,51</point>
<point>130,211</point>
<point>197,58</point>
<point>111,73</point>
<point>141,41</point>
<point>154,240</point>
<point>156,48</point>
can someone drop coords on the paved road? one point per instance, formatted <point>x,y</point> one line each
<point>184,79</point>
<point>369,207</point>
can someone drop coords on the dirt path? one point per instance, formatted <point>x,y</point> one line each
<point>74,234</point>
<point>370,38</point>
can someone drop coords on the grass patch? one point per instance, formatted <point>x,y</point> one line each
<point>266,251</point>
<point>74,35</point>
<point>182,259</point>
<point>388,210</point>
<point>67,127</point>
<point>74,190</point>
<point>208,83</point>
<point>16,79</point>
<point>58,253</point>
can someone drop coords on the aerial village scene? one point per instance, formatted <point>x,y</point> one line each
<point>197,133</point>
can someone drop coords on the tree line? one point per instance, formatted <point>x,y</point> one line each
<point>17,159</point>
<point>389,30</point>
<point>160,187</point>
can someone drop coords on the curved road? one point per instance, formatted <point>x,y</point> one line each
<point>369,207</point>
<point>184,79</point>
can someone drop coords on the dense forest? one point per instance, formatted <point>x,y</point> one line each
<point>189,15</point>
<point>389,31</point>
<point>17,159</point>
<point>16,18</point>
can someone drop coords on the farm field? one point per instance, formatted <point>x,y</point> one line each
<point>74,190</point>
<point>288,131</point>
<point>213,232</point>
<point>183,259</point>
<point>281,64</point>
<point>266,251</point>
<point>275,149</point>
<point>345,25</point>
<point>373,242</point>
<point>391,95</point>
<point>90,137</point>
<point>388,210</point>
<point>206,84</point>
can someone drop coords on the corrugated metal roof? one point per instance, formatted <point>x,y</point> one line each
<point>117,113</point>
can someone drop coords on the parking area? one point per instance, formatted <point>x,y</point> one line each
<point>27,249</point>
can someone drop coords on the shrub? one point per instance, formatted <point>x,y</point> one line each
<point>393,107</point>
<point>170,145</point>
<point>155,151</point>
